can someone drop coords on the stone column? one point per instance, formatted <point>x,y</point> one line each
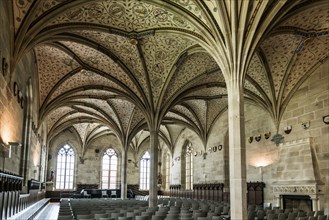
<point>315,200</point>
<point>153,199</point>
<point>124,174</point>
<point>237,150</point>
<point>278,200</point>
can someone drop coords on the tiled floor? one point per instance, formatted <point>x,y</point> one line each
<point>49,212</point>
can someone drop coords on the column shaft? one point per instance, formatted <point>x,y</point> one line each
<point>124,175</point>
<point>237,151</point>
<point>153,199</point>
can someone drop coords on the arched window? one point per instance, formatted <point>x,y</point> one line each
<point>145,171</point>
<point>167,171</point>
<point>65,167</point>
<point>189,167</point>
<point>110,169</point>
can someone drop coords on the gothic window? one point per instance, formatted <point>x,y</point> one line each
<point>65,167</point>
<point>145,171</point>
<point>110,169</point>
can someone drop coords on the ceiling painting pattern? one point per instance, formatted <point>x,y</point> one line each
<point>209,92</point>
<point>92,110</point>
<point>192,67</point>
<point>137,117</point>
<point>171,115</point>
<point>124,48</point>
<point>191,6</point>
<point>76,116</point>
<point>258,73</point>
<point>162,51</point>
<point>55,115</point>
<point>199,106</point>
<point>175,132</point>
<point>251,87</point>
<point>82,129</point>
<point>214,108</point>
<point>102,62</point>
<point>50,60</point>
<point>186,112</point>
<point>104,106</point>
<point>124,110</point>
<point>125,15</point>
<point>314,50</point>
<point>279,50</point>
<point>83,79</point>
<point>103,94</point>
<point>21,8</point>
<point>313,19</point>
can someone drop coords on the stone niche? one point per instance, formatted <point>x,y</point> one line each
<point>298,175</point>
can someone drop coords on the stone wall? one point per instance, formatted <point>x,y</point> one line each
<point>13,110</point>
<point>310,103</point>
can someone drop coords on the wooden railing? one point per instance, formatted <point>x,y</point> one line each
<point>11,199</point>
<point>211,191</point>
<point>10,185</point>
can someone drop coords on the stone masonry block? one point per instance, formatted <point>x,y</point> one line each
<point>298,112</point>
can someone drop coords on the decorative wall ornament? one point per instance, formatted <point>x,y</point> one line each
<point>267,135</point>
<point>295,189</point>
<point>5,67</point>
<point>287,129</point>
<point>250,139</point>
<point>326,119</point>
<point>204,155</point>
<point>19,96</point>
<point>15,89</point>
<point>258,138</point>
<point>214,149</point>
<point>277,139</point>
<point>306,124</point>
<point>22,103</point>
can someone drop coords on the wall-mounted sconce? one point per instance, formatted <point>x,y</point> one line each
<point>258,138</point>
<point>306,124</point>
<point>287,129</point>
<point>267,135</point>
<point>250,139</point>
<point>326,119</point>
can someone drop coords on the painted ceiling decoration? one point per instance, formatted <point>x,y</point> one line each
<point>111,66</point>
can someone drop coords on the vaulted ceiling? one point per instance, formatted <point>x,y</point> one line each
<point>107,67</point>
